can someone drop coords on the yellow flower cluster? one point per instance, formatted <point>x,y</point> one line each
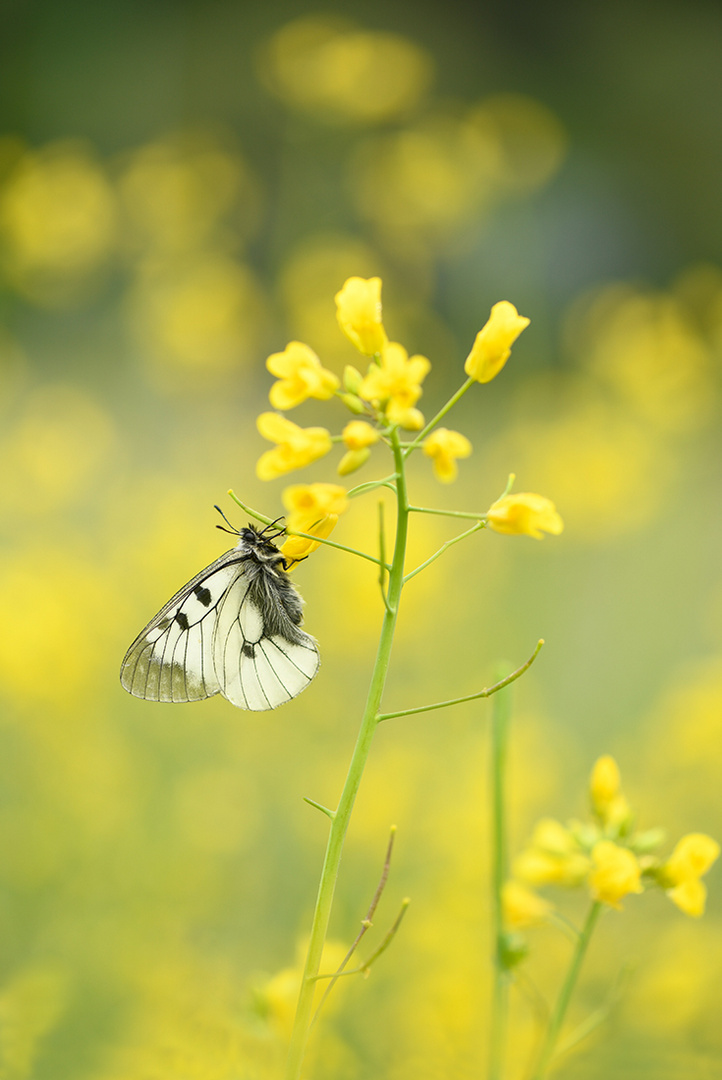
<point>384,398</point>
<point>606,856</point>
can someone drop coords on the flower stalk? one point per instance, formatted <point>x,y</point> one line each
<point>499,861</point>
<point>546,1054</point>
<point>342,815</point>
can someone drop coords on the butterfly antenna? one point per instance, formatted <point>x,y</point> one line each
<point>274,525</point>
<point>234,532</point>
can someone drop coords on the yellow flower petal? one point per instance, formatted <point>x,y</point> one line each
<point>306,503</point>
<point>522,907</point>
<point>312,508</point>
<point>524,514</point>
<point>276,428</point>
<point>301,376</point>
<point>297,548</point>
<point>358,434</point>
<point>553,857</point>
<point>616,873</point>
<point>444,447</point>
<point>296,447</point>
<point>394,384</point>
<point>410,419</point>
<point>690,897</point>
<point>493,343</point>
<point>358,309</point>
<point>691,858</point>
<point>605,781</point>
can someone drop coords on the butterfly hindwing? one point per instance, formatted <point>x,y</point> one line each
<point>258,670</point>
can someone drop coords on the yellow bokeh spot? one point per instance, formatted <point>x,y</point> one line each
<point>202,317</point>
<point>434,177</point>
<point>606,470</point>
<point>327,68</point>
<point>60,441</point>
<point>177,193</point>
<point>646,349</point>
<point>58,221</point>
<point>531,141</point>
<point>60,637</point>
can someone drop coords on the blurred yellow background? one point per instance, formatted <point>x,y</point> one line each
<point>183,188</point>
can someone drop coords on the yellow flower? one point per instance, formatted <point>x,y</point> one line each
<point>308,503</point>
<point>616,873</point>
<point>605,789</point>
<point>297,548</point>
<point>443,447</point>
<point>296,447</point>
<point>357,435</point>
<point>522,907</point>
<point>279,995</point>
<point>410,419</point>
<point>394,385</point>
<point>493,343</point>
<point>312,508</point>
<point>553,857</point>
<point>691,858</point>
<point>524,513</point>
<point>358,310</point>
<point>301,376</point>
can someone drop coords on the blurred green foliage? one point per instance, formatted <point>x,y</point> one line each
<point>183,187</point>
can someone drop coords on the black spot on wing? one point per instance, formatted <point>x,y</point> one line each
<point>182,620</point>
<point>249,650</point>
<point>203,595</point>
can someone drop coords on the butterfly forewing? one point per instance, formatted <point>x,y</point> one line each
<point>172,658</point>
<point>233,629</point>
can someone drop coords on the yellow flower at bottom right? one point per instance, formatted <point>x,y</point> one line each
<point>680,875</point>
<point>616,873</point>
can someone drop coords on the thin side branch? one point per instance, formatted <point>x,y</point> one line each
<point>306,536</point>
<point>443,548</point>
<point>469,515</point>
<point>371,485</point>
<point>363,969</point>
<point>599,1015</point>
<point>439,416</point>
<point>486,692</point>
<point>319,806</point>
<point>366,923</point>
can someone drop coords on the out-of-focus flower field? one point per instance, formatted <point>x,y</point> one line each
<point>183,188</point>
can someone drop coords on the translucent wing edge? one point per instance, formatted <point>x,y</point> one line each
<point>154,685</point>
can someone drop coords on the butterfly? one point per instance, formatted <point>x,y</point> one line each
<point>234,629</point>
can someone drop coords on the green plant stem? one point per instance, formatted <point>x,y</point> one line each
<point>546,1053</point>
<point>442,549</point>
<point>500,989</point>
<point>487,692</point>
<point>339,825</point>
<point>468,515</point>
<point>410,447</point>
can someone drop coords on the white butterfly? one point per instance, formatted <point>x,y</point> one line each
<point>234,629</point>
